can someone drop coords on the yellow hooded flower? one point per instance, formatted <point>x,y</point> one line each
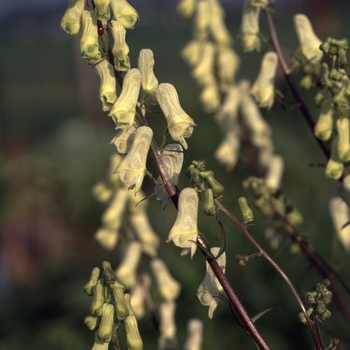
<point>71,20</point>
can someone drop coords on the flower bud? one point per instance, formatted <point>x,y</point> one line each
<point>92,322</point>
<point>108,273</point>
<point>108,90</point>
<point>168,287</point>
<point>71,20</point>
<point>133,339</point>
<point>248,215</point>
<point>120,49</point>
<point>324,126</point>
<point>194,335</point>
<point>99,344</point>
<point>97,302</point>
<point>184,231</point>
<point>102,10</point>
<point>121,308</point>
<point>132,168</point>
<point>124,109</point>
<point>89,46</point>
<point>89,286</point>
<point>105,330</point>
<point>149,82</point>
<point>343,146</point>
<point>208,202</point>
<point>263,88</point>
<point>309,42</point>
<point>124,12</point>
<point>335,167</point>
<point>180,124</point>
<point>218,189</point>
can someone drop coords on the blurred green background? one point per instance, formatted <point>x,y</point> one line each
<point>55,147</point>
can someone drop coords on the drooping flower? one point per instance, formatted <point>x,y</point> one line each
<point>180,124</point>
<point>149,82</point>
<point>124,12</point>
<point>194,334</point>
<point>102,10</point>
<point>184,231</point>
<point>108,90</point>
<point>263,88</point>
<point>89,46</point>
<point>132,168</point>
<point>274,174</point>
<point>203,71</point>
<point>123,139</point>
<point>228,63</point>
<point>124,109</point>
<point>173,158</point>
<point>71,20</point>
<point>210,292</point>
<point>120,48</point>
<point>167,327</point>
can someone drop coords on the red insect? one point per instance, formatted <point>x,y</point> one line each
<point>100,30</point>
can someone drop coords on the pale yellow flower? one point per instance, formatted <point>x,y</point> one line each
<point>99,344</point>
<point>186,8</point>
<point>108,89</point>
<point>192,52</point>
<point>124,109</point>
<point>194,335</point>
<point>132,168</point>
<point>167,327</point>
<point>149,82</point>
<point>127,271</point>
<point>105,329</point>
<point>184,231</point>
<point>309,42</point>
<point>102,10</point>
<point>89,46</point>
<point>335,167</point>
<point>180,124</point>
<point>168,287</point>
<point>124,12</point>
<point>203,71</point>
<point>228,64</point>
<point>107,238</point>
<point>138,294</point>
<point>71,20</point>
<point>124,138</point>
<point>343,147</point>
<point>133,338</point>
<point>340,216</point>
<point>120,48</point>
<point>274,174</point>
<point>324,126</point>
<point>210,292</point>
<point>173,158</point>
<point>202,20</point>
<point>263,88</point>
<point>249,31</point>
<point>210,97</point>
<point>219,30</point>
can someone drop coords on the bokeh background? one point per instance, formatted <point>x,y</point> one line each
<point>55,145</point>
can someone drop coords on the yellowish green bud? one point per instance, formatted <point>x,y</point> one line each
<point>343,146</point>
<point>124,109</point>
<point>108,273</point>
<point>98,300</point>
<point>180,124</point>
<point>340,216</point>
<point>120,49</point>
<point>102,10</point>
<point>132,168</point>
<point>309,42</point>
<point>194,335</point>
<point>167,338</point>
<point>248,215</point>
<point>92,322</point>
<point>168,287</point>
<point>124,12</point>
<point>324,126</point>
<point>89,286</point>
<point>208,202</point>
<point>334,167</point>
<point>71,20</point>
<point>218,189</point>
<point>105,330</point>
<point>133,339</point>
<point>108,90</point>
<point>89,46</point>
<point>127,270</point>
<point>249,31</point>
<point>184,231</point>
<point>149,82</point>
<point>121,308</point>
<point>263,88</point>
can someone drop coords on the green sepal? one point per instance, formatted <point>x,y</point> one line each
<point>223,239</point>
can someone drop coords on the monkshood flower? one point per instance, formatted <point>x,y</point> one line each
<point>99,344</point>
<point>324,126</point>
<point>167,327</point>
<point>71,20</point>
<point>123,139</point>
<point>335,167</point>
<point>89,46</point>
<point>210,292</point>
<point>228,63</point>
<point>202,20</point>
<point>184,231</point>
<point>108,90</point>
<point>120,48</point>
<point>186,8</point>
<point>149,82</point>
<point>180,124</point>
<point>133,338</point>
<point>343,129</point>
<point>173,158</point>
<point>192,52</point>
<point>249,31</point>
<point>263,88</point>
<point>102,10</point>
<point>194,334</point>
<point>203,72</point>
<point>168,287</point>
<point>340,216</point>
<point>124,12</point>
<point>132,168</point>
<point>124,109</point>
<point>210,97</point>
<point>275,167</point>
<point>309,42</point>
<point>219,30</point>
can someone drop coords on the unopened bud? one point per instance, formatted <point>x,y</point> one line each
<point>343,146</point>
<point>105,330</point>
<point>324,126</point>
<point>89,286</point>
<point>92,322</point>
<point>133,338</point>
<point>248,215</point>
<point>208,202</point>
<point>97,302</point>
<point>334,167</point>
<point>121,308</point>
